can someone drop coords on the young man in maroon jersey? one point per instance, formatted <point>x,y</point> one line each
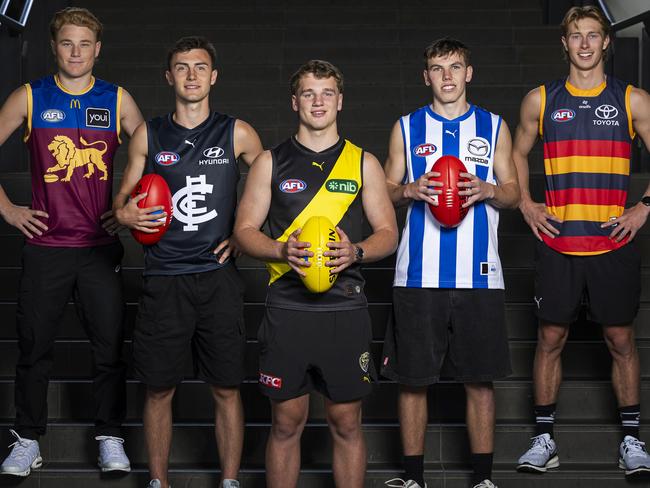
<point>73,127</point>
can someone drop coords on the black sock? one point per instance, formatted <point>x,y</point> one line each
<point>414,469</point>
<point>482,466</point>
<point>630,419</point>
<point>544,419</point>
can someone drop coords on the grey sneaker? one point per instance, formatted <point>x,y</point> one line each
<point>111,454</point>
<point>24,457</point>
<point>541,456</point>
<point>230,484</point>
<point>400,483</point>
<point>634,458</point>
<point>485,484</point>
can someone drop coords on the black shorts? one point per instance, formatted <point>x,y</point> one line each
<point>464,329</point>
<point>198,314</point>
<point>327,351</point>
<point>609,283</point>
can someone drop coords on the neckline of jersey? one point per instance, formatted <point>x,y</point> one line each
<point>70,92</point>
<point>170,117</point>
<point>590,92</point>
<point>460,118</point>
<point>306,150</point>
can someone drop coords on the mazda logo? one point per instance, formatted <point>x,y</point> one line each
<point>213,152</point>
<point>606,112</point>
<point>478,147</point>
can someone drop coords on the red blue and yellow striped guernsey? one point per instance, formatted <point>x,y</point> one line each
<point>587,137</point>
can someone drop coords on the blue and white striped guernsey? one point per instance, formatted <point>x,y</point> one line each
<point>431,256</point>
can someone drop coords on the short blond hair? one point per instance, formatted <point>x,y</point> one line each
<point>75,16</point>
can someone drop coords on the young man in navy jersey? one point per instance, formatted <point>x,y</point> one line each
<point>316,341</point>
<point>448,295</point>
<point>192,302</point>
<point>74,124</point>
<point>585,247</point>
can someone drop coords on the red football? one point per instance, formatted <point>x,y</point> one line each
<point>158,193</point>
<point>449,211</point>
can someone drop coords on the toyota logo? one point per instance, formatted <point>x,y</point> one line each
<point>478,146</point>
<point>606,112</point>
<point>213,152</point>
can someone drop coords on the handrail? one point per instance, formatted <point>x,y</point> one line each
<point>637,19</point>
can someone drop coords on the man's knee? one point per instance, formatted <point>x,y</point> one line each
<point>620,341</point>
<point>160,395</point>
<point>225,395</point>
<point>345,424</point>
<point>480,393</point>
<point>551,338</point>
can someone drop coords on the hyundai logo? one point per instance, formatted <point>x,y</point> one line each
<point>213,152</point>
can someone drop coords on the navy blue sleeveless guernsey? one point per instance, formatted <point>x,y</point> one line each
<point>201,170</point>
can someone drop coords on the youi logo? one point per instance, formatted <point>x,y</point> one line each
<point>563,115</point>
<point>167,158</point>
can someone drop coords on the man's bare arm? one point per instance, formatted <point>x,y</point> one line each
<point>535,214</point>
<point>635,217</point>
<point>12,115</point>
<point>395,169</point>
<point>506,193</point>
<point>126,211</point>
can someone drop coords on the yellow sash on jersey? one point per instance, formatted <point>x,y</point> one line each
<point>332,205</point>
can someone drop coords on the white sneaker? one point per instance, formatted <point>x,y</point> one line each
<point>24,457</point>
<point>485,484</point>
<point>111,454</point>
<point>541,456</point>
<point>400,483</point>
<point>230,484</point>
<point>634,458</point>
<point>156,484</point>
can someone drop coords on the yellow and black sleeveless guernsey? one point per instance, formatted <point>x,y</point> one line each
<point>587,138</point>
<point>304,184</point>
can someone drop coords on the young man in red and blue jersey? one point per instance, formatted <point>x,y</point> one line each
<point>586,247</point>
<point>73,126</point>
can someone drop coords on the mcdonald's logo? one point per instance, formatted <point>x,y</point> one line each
<point>75,103</point>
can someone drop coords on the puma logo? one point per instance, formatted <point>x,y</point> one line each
<point>538,301</point>
<point>318,165</point>
<point>189,143</point>
<point>451,133</point>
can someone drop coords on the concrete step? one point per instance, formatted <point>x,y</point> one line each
<point>67,475</point>
<point>194,444</point>
<point>579,402</point>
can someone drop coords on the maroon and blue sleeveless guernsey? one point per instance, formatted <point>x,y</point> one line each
<point>587,137</point>
<point>72,138</point>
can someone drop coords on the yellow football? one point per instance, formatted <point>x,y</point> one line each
<point>50,177</point>
<point>318,231</point>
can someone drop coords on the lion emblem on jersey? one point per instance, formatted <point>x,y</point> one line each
<point>69,157</point>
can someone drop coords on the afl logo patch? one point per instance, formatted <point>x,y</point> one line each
<point>52,115</point>
<point>563,115</point>
<point>424,150</point>
<point>167,158</point>
<point>293,185</point>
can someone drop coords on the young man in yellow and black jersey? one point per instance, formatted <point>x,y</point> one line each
<point>315,341</point>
